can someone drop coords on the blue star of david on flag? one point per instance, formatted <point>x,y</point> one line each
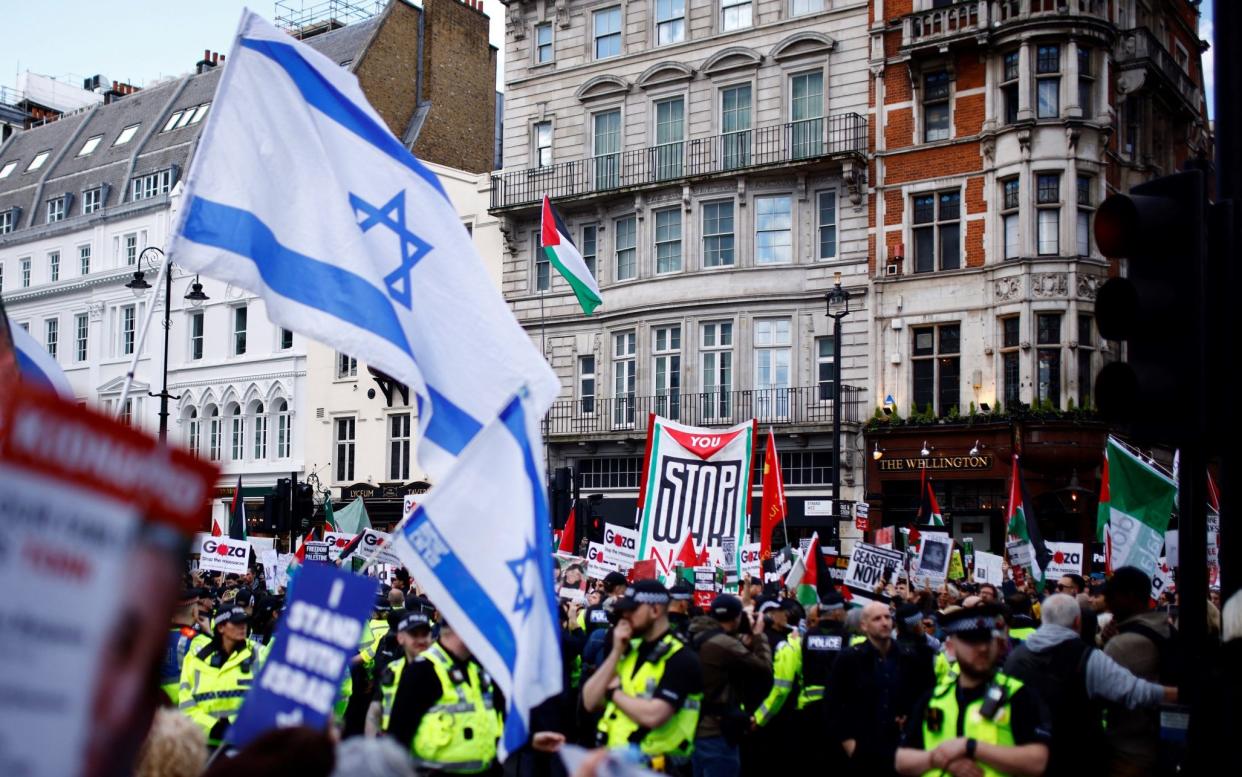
<point>525,598</point>
<point>413,248</point>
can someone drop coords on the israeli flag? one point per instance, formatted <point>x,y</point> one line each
<point>299,193</point>
<point>35,364</point>
<point>480,546</point>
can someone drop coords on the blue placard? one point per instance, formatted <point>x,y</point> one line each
<point>319,631</point>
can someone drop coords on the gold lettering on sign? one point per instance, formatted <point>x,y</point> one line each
<point>937,463</point>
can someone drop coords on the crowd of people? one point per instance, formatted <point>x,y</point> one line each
<point>965,680</point>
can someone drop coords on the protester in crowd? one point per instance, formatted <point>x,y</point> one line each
<point>181,633</point>
<point>651,689</point>
<point>215,678</point>
<point>1019,618</point>
<point>413,636</point>
<point>1213,732</point>
<point>979,717</point>
<point>175,747</point>
<point>733,660</point>
<point>446,709</point>
<point>988,593</point>
<point>1144,644</point>
<point>362,671</point>
<point>281,752</point>
<point>824,641</point>
<point>873,686</point>
<point>1071,676</point>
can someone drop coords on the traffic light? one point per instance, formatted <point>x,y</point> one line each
<point>559,497</point>
<point>280,504</point>
<point>303,506</point>
<point>1159,308</point>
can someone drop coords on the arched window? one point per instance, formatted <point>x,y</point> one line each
<point>260,431</point>
<point>213,432</point>
<point>192,431</point>
<point>239,434</point>
<point>284,429</point>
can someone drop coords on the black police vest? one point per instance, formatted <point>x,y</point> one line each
<point>820,648</point>
<point>1059,677</point>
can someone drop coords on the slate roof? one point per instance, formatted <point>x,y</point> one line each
<point>150,150</point>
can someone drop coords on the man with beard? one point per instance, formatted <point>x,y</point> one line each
<point>979,719</point>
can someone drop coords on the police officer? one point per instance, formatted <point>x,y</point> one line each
<point>216,677</point>
<point>650,686</point>
<point>774,722</point>
<point>413,636</point>
<point>979,717</point>
<point>362,668</point>
<point>824,640</point>
<point>446,709</point>
<point>181,633</point>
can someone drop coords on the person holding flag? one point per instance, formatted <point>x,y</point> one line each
<point>929,509</point>
<point>1021,525</point>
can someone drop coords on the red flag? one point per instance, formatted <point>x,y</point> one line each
<point>643,570</point>
<point>773,510</point>
<point>300,555</point>
<point>686,554</point>
<point>570,530</point>
<point>215,528</point>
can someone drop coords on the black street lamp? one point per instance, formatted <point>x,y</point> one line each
<point>196,298</point>
<point>838,302</point>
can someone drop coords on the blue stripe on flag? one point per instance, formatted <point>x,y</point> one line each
<point>454,575</point>
<point>301,278</point>
<point>514,419</point>
<point>30,369</point>
<point>320,93</point>
<point>324,287</point>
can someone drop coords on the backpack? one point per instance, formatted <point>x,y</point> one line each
<point>1169,649</point>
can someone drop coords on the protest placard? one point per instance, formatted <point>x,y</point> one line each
<point>1161,580</point>
<point>372,542</point>
<point>270,560</point>
<point>316,550</point>
<point>90,571</point>
<point>1066,559</point>
<point>407,506</point>
<point>282,570</point>
<point>297,685</point>
<point>221,554</point>
<point>935,556</point>
<point>870,566</point>
<point>620,546</point>
<point>1171,547</point>
<point>988,568</point>
<point>957,570</point>
<point>337,541</point>
<point>571,577</point>
<point>704,586</point>
<point>597,561</point>
<point>1020,553</point>
<point>750,559</point>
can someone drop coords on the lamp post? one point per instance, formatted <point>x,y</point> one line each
<point>838,302</point>
<point>196,298</point>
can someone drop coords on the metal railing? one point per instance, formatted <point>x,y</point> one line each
<point>779,144</point>
<point>935,24</point>
<point>1140,44</point>
<point>1004,11</point>
<point>810,405</point>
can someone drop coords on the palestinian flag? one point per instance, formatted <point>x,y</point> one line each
<point>299,557</point>
<point>804,577</point>
<point>237,514</point>
<point>929,509</point>
<point>570,532</point>
<point>1021,525</point>
<point>329,523</point>
<point>567,259</point>
<point>1136,501</point>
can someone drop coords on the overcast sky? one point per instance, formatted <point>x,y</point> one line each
<point>140,41</point>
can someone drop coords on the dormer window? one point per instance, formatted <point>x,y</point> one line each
<point>151,185</point>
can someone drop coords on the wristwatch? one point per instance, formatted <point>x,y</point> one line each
<point>971,745</point>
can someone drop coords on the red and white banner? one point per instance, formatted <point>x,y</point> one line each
<point>697,483</point>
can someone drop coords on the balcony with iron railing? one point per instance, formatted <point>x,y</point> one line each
<point>1140,48</point>
<point>796,142</point>
<point>627,414</point>
<point>965,19</point>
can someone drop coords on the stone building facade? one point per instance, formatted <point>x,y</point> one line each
<point>709,161</point>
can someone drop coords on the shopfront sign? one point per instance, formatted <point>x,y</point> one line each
<point>983,461</point>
